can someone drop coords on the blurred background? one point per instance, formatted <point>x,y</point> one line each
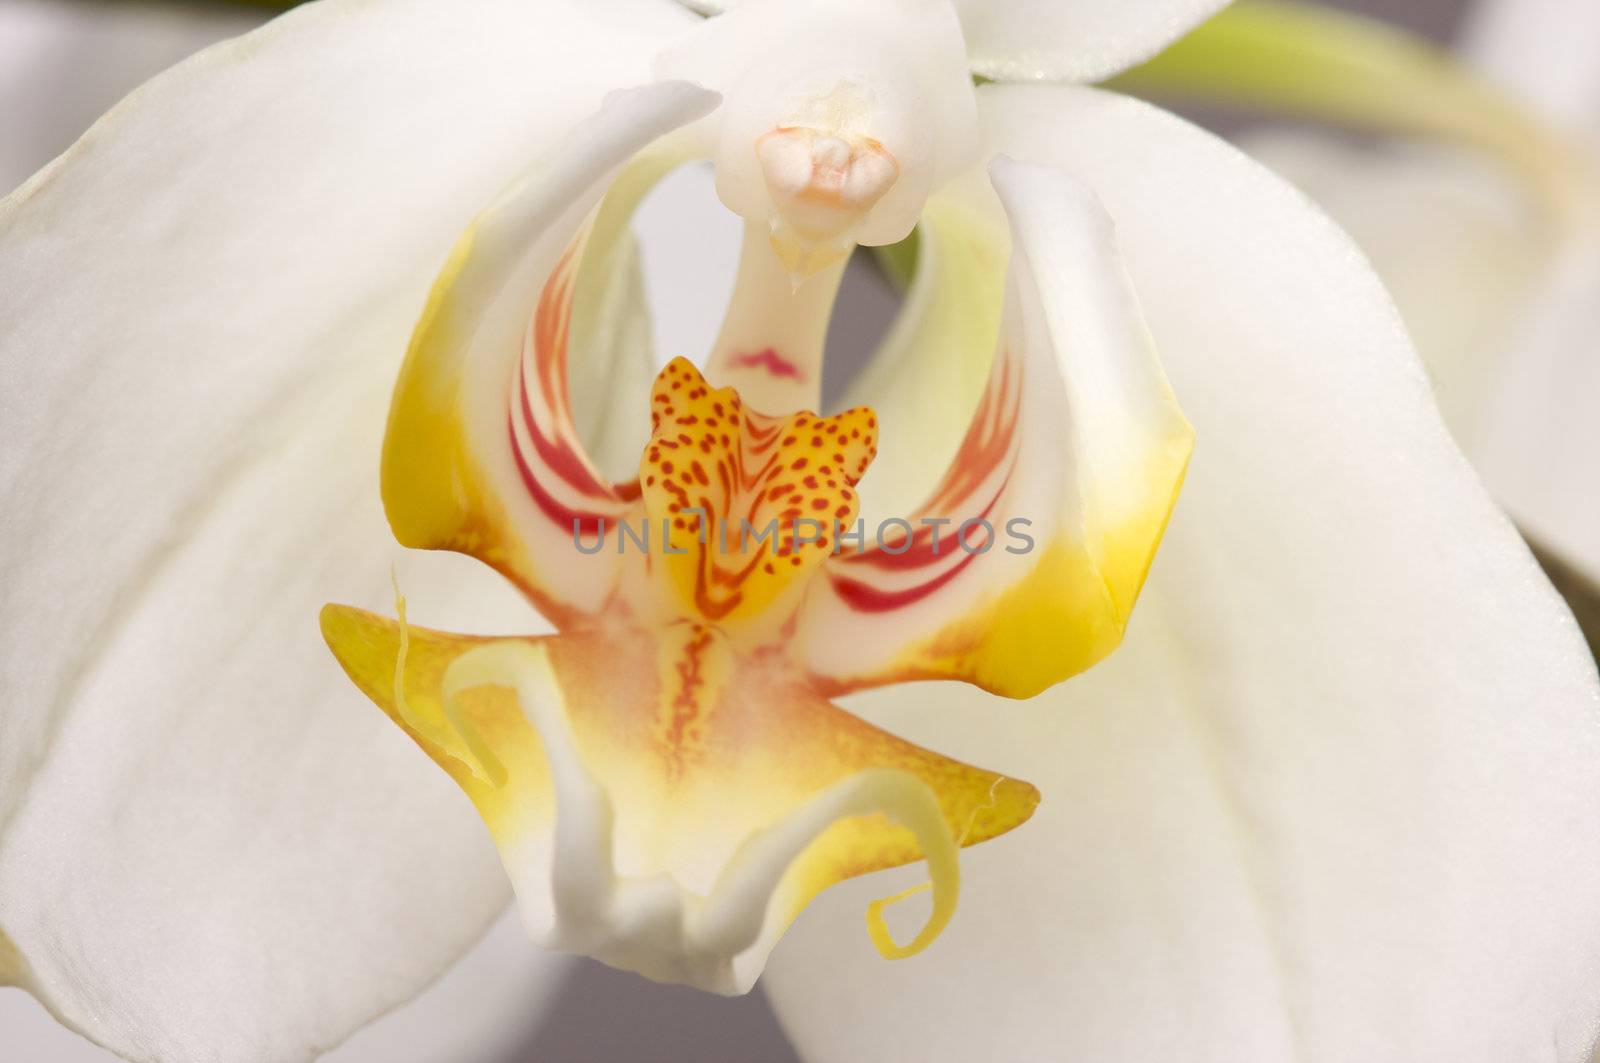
<point>63,63</point>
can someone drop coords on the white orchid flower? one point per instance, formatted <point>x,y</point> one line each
<point>1333,798</point>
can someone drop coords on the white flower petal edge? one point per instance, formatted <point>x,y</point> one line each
<point>1060,40</point>
<point>1317,805</point>
<point>1500,292</point>
<point>1456,242</point>
<point>1503,306</point>
<point>1540,450</point>
<point>210,846</point>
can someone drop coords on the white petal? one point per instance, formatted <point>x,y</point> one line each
<point>482,1010</point>
<point>1072,40</point>
<point>1544,51</point>
<point>1458,245</point>
<point>1503,311</point>
<point>213,848</point>
<point>1335,796</point>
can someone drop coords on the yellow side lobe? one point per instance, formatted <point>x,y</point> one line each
<point>512,801</point>
<point>1012,644</point>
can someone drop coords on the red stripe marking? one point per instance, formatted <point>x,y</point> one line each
<point>865,598</point>
<point>562,516</point>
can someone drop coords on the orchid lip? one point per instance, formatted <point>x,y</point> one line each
<point>653,925</point>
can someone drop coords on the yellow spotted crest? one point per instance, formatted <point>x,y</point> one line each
<point>750,504</point>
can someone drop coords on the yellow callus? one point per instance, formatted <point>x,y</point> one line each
<point>750,505</point>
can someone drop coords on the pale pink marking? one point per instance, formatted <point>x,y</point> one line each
<point>771,361</point>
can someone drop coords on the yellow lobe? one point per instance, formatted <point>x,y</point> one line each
<point>1010,643</point>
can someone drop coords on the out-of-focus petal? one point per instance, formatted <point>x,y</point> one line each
<point>1313,808</point>
<point>1023,564</point>
<point>208,840</point>
<point>1544,52</point>
<point>1312,60</point>
<point>1502,315</point>
<point>1538,447</point>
